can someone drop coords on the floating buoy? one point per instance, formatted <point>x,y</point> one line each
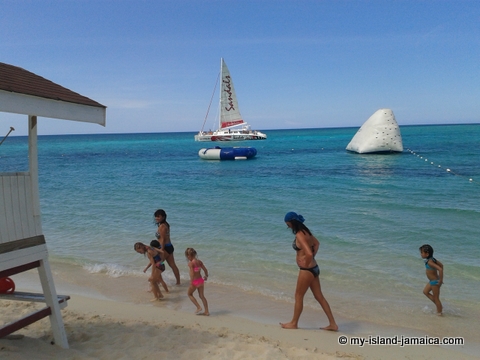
<point>440,166</point>
<point>227,153</point>
<point>7,286</point>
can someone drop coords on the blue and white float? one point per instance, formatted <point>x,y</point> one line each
<point>380,133</point>
<point>227,153</point>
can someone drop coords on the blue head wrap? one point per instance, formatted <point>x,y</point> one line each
<point>294,216</point>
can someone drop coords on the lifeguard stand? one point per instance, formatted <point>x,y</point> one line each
<point>22,244</point>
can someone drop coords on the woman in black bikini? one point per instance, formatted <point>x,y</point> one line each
<point>163,237</point>
<point>306,246</point>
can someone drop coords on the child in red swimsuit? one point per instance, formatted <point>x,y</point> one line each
<point>197,281</point>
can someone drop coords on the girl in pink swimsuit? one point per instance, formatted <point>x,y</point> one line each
<point>197,281</point>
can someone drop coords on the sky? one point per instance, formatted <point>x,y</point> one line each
<point>295,64</point>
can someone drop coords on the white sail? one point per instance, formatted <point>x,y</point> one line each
<point>229,111</point>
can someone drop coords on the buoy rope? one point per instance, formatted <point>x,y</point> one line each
<point>450,171</point>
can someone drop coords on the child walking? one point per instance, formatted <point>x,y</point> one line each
<point>156,262</point>
<point>434,271</point>
<point>156,246</point>
<point>197,282</point>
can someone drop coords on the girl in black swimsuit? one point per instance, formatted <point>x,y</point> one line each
<point>306,246</point>
<point>156,262</point>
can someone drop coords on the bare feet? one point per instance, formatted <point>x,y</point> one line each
<point>438,314</point>
<point>288,326</point>
<point>204,314</point>
<point>330,328</point>
<point>157,299</point>
<point>198,311</point>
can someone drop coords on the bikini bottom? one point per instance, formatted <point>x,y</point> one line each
<point>198,282</point>
<point>169,248</point>
<point>314,270</point>
<point>160,266</point>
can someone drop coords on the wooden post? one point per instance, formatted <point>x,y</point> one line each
<point>44,270</point>
<point>51,300</point>
<point>33,165</point>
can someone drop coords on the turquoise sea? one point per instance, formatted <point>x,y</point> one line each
<point>370,212</point>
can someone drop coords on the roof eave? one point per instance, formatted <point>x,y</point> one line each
<point>32,105</point>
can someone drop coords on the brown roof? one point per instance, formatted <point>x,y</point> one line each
<point>18,80</point>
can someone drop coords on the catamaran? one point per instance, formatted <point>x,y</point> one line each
<point>231,125</point>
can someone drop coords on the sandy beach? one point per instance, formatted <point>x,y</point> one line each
<point>126,325</point>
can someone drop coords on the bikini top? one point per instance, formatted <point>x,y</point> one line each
<point>157,258</point>
<point>426,263</point>
<point>196,268</point>
<point>296,248</point>
<point>294,245</point>
<point>158,236</point>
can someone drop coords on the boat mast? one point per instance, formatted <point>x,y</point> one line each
<point>220,95</point>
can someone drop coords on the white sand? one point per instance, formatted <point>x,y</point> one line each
<point>98,328</point>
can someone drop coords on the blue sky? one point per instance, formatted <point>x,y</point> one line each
<point>295,64</point>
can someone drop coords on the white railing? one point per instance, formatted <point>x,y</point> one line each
<point>17,207</point>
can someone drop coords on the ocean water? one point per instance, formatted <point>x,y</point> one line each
<point>370,212</point>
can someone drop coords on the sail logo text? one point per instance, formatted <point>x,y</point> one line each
<point>228,90</point>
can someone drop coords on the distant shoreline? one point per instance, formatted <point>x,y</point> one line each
<point>193,132</point>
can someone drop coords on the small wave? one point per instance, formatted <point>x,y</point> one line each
<point>277,294</point>
<point>112,270</point>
